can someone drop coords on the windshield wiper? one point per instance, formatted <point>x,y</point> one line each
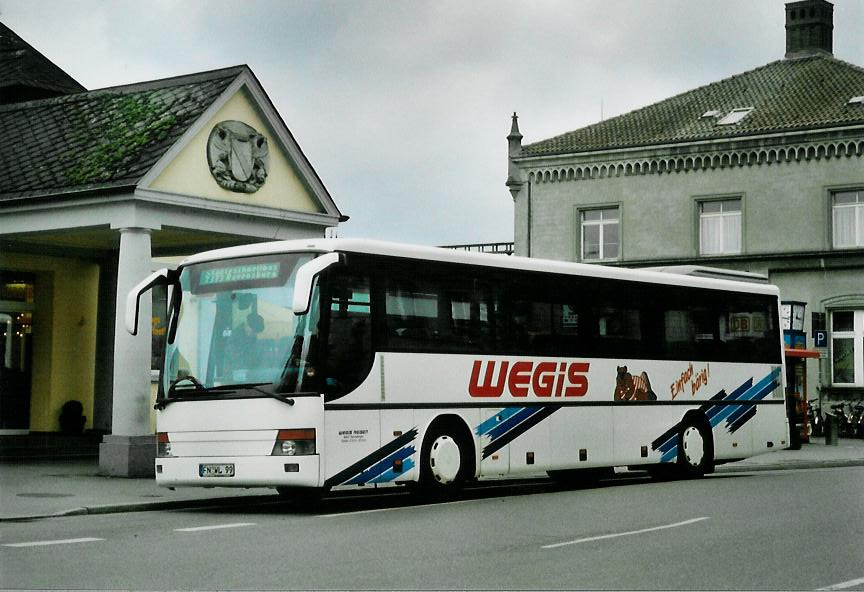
<point>188,378</point>
<point>222,388</point>
<point>172,390</point>
<point>261,387</point>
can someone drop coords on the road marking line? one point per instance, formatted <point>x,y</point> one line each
<point>621,534</point>
<point>215,527</point>
<point>844,585</point>
<point>375,511</point>
<point>46,543</point>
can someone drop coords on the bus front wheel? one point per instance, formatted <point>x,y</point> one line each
<point>444,461</point>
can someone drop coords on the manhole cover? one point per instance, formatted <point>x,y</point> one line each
<point>46,495</point>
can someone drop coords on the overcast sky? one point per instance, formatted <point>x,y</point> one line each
<point>403,107</point>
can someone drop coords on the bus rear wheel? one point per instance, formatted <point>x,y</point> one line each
<point>695,449</point>
<point>444,462</point>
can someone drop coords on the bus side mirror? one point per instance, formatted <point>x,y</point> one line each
<point>163,277</point>
<point>305,276</point>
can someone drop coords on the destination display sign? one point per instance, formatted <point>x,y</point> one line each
<point>242,274</point>
<point>248,272</point>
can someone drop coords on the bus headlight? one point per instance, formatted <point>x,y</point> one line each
<point>300,442</point>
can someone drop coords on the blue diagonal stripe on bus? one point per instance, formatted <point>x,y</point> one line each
<point>713,410</point>
<point>496,419</point>
<point>670,455</point>
<point>391,474</point>
<point>759,391</point>
<point>745,413</point>
<point>748,415</point>
<point>381,467</point>
<point>392,447</point>
<point>510,423</point>
<point>536,415</point>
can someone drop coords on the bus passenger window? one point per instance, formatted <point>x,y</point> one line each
<point>619,323</point>
<point>749,330</point>
<point>412,316</point>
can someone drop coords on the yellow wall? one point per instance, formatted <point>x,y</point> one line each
<point>64,335</point>
<point>189,173</point>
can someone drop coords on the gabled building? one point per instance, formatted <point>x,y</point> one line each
<point>93,186</point>
<point>761,172</point>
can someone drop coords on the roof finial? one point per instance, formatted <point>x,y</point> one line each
<point>514,128</point>
<point>514,140</point>
<point>514,144</point>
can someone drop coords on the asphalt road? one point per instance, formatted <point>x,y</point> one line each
<point>778,530</point>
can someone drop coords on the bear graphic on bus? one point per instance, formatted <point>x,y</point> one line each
<point>633,388</point>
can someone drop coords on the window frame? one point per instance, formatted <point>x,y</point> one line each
<point>857,336</point>
<point>700,202</point>
<point>858,216</point>
<point>582,224</point>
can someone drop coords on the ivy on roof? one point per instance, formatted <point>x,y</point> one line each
<point>140,121</point>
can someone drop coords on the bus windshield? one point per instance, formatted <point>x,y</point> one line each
<point>235,330</point>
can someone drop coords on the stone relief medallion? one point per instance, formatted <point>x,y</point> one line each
<point>238,156</point>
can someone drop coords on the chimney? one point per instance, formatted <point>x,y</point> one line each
<point>809,28</point>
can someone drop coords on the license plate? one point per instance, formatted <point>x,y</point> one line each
<point>214,470</point>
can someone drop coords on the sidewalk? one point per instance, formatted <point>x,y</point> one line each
<point>32,489</point>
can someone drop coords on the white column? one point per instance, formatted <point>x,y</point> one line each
<point>129,450</point>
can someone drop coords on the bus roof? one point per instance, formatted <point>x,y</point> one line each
<point>407,251</point>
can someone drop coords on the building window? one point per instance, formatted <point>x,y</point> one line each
<point>847,347</point>
<point>720,227</point>
<point>848,217</point>
<point>601,234</point>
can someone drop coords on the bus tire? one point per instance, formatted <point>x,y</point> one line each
<point>695,448</point>
<point>445,460</point>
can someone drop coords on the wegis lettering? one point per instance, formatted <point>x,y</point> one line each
<point>521,379</point>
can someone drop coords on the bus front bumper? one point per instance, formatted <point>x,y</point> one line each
<point>239,471</point>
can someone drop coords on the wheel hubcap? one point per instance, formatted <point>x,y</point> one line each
<point>694,446</point>
<point>445,460</point>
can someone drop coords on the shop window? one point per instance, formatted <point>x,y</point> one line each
<point>847,347</point>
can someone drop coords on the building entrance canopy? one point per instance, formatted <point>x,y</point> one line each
<point>93,186</point>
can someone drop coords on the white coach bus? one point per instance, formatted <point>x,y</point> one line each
<point>305,365</point>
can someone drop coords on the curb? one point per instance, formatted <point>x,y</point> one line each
<point>122,508</point>
<point>790,466</point>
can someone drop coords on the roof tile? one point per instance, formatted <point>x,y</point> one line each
<point>786,95</point>
<point>102,138</point>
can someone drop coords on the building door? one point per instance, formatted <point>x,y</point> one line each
<point>16,352</point>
